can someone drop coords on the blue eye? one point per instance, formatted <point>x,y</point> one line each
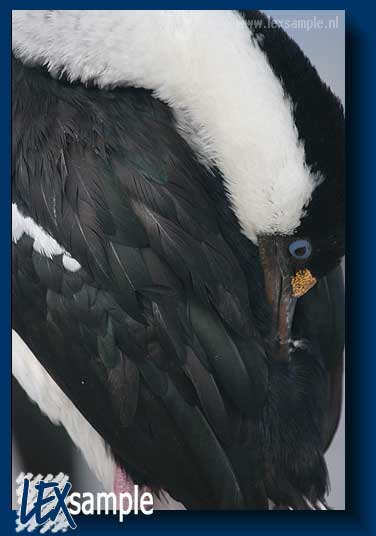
<point>300,249</point>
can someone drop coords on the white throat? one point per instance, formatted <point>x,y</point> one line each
<point>212,73</point>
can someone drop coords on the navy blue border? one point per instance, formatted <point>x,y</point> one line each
<point>361,181</point>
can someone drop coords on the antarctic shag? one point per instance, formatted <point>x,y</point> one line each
<point>178,223</point>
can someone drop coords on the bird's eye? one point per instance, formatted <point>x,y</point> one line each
<point>300,249</point>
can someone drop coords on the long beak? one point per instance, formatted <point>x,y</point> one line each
<point>277,275</point>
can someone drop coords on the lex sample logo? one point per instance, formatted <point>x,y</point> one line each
<point>47,504</point>
<point>44,503</point>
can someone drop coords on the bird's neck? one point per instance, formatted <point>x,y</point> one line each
<point>208,67</point>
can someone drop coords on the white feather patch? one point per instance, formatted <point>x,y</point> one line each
<point>208,68</point>
<point>70,263</point>
<point>43,242</point>
<point>52,401</point>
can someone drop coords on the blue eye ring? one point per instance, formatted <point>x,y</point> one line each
<point>300,249</point>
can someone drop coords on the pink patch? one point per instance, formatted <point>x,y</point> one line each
<point>124,484</point>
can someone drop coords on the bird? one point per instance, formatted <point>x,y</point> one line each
<point>178,214</point>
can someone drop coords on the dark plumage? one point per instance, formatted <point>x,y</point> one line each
<point>159,339</point>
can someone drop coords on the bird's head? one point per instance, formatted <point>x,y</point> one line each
<point>294,259</point>
<point>293,264</point>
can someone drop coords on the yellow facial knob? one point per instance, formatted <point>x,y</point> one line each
<point>301,282</point>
